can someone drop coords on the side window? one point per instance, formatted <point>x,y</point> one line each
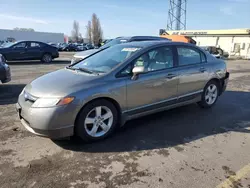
<point>160,58</point>
<point>20,45</point>
<point>188,56</point>
<point>157,59</point>
<point>34,45</point>
<point>152,54</point>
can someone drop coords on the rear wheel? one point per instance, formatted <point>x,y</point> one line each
<point>47,58</point>
<point>209,95</point>
<point>96,121</point>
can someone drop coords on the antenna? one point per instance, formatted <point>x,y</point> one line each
<point>177,15</point>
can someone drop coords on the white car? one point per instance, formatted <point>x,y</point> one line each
<point>214,51</point>
<point>82,55</point>
<point>216,55</point>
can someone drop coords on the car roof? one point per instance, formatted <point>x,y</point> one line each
<point>142,38</point>
<point>144,44</point>
<point>32,41</point>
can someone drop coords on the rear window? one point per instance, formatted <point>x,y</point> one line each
<point>34,45</point>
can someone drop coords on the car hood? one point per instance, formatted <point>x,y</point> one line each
<point>85,53</point>
<point>61,83</point>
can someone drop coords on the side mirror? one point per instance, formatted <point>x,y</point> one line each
<point>136,71</point>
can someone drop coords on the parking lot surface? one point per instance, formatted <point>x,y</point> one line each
<point>183,147</point>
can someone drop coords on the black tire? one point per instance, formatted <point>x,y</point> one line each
<point>80,130</point>
<point>204,103</point>
<point>47,58</point>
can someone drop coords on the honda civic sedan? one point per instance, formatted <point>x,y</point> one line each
<point>92,98</point>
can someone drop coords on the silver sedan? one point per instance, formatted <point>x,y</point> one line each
<point>92,98</point>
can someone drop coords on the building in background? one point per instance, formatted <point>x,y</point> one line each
<point>15,35</point>
<point>234,41</point>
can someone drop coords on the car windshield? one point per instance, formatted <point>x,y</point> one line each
<point>113,42</point>
<point>104,61</point>
<point>8,44</point>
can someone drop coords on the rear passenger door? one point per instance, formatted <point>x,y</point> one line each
<point>193,73</point>
<point>34,50</point>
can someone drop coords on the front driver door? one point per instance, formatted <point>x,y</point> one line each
<point>18,51</point>
<point>157,86</point>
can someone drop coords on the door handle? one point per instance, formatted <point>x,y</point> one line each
<point>170,76</point>
<point>202,69</point>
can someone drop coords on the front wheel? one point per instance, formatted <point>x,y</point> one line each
<point>209,95</point>
<point>96,121</point>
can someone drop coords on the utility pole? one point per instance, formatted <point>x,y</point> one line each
<point>177,15</point>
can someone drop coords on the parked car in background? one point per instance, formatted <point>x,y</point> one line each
<point>71,47</point>
<point>29,50</point>
<point>93,97</point>
<point>5,75</point>
<point>89,46</point>
<point>81,55</point>
<point>215,51</point>
<point>54,44</point>
<point>81,47</point>
<point>62,47</point>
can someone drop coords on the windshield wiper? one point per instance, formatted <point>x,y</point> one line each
<point>81,69</point>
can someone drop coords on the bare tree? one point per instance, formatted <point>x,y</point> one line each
<point>96,30</point>
<point>89,32</point>
<point>75,34</point>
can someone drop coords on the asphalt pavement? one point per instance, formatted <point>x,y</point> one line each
<point>179,148</point>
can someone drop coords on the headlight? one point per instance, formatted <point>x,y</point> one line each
<point>3,63</point>
<point>51,102</point>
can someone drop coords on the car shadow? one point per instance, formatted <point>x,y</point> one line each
<point>173,127</point>
<point>9,93</point>
<point>55,62</point>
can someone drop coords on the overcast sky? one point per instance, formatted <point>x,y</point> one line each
<point>121,17</point>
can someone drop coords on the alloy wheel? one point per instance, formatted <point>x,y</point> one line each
<point>211,94</point>
<point>47,58</point>
<point>98,121</point>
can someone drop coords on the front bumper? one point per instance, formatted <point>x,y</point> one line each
<point>56,122</point>
<point>225,82</point>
